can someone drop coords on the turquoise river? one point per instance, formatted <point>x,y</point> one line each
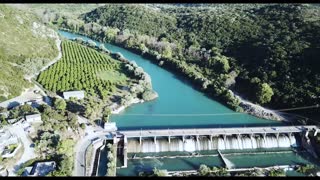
<point>184,107</point>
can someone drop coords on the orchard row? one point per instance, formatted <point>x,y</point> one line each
<point>78,69</point>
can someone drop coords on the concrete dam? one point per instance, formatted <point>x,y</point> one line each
<point>190,140</point>
<point>198,143</point>
<point>144,141</point>
<point>215,138</point>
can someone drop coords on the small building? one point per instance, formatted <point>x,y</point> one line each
<point>40,169</point>
<point>28,102</point>
<point>110,126</point>
<point>27,171</point>
<point>6,138</point>
<point>75,94</point>
<point>34,118</point>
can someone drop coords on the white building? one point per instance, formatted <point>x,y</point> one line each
<point>6,138</point>
<point>110,126</point>
<point>40,169</point>
<point>76,94</point>
<point>34,118</point>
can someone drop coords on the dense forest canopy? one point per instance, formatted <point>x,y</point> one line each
<point>133,17</point>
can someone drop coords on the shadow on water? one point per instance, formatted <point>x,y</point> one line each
<point>308,157</point>
<point>193,165</point>
<point>139,166</point>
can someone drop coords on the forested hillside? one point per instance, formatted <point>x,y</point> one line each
<point>133,17</point>
<point>271,51</point>
<point>25,46</point>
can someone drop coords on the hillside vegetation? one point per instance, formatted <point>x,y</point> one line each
<point>266,53</point>
<point>25,47</point>
<point>56,12</point>
<point>132,17</point>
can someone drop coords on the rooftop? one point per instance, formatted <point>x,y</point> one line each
<point>33,116</point>
<point>73,93</point>
<point>69,94</point>
<point>43,168</point>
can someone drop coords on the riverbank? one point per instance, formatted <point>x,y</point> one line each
<point>259,111</point>
<point>118,109</point>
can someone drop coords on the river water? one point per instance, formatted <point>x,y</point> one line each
<point>177,97</point>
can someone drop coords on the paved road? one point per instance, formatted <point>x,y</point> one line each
<point>28,153</point>
<point>26,96</point>
<point>91,132</point>
<point>216,131</point>
<point>80,150</point>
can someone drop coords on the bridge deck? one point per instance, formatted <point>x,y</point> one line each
<point>217,131</point>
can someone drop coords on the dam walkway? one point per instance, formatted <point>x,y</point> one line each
<point>220,131</point>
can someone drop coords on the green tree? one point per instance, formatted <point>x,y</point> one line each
<point>276,172</point>
<point>83,125</point>
<point>3,121</point>
<point>204,170</point>
<point>220,63</point>
<point>264,93</point>
<point>73,120</point>
<point>167,52</point>
<point>60,104</point>
<point>307,169</point>
<point>26,108</point>
<point>160,172</point>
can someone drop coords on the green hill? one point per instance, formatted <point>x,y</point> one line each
<point>133,17</point>
<point>24,46</point>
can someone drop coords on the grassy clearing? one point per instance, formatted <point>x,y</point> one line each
<point>113,76</point>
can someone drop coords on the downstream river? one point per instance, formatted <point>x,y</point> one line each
<point>178,105</point>
<point>181,106</point>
